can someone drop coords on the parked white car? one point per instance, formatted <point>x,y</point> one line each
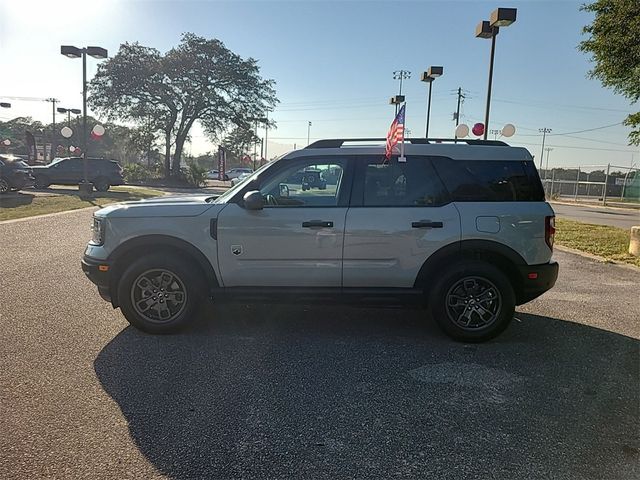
<point>214,175</point>
<point>236,172</point>
<point>462,228</point>
<point>239,178</point>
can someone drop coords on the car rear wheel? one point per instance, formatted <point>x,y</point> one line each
<point>4,186</point>
<point>42,182</point>
<point>101,184</point>
<point>473,302</point>
<point>160,294</point>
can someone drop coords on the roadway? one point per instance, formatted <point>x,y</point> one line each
<point>616,217</point>
<point>259,392</point>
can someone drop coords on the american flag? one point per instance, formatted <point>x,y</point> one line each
<point>396,133</point>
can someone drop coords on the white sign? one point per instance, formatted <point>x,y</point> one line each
<point>621,181</point>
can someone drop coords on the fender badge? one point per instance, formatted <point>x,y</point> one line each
<point>236,249</point>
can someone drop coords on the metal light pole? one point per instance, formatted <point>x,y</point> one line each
<point>546,168</point>
<point>544,132</point>
<point>308,133</point>
<point>500,17</point>
<point>53,133</point>
<point>400,75</point>
<point>429,76</point>
<point>75,52</point>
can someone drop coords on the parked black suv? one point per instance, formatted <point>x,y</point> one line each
<point>101,172</point>
<point>14,174</point>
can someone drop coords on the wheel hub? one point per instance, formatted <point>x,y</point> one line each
<point>473,303</point>
<point>158,295</point>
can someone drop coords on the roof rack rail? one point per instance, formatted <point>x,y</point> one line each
<point>338,142</point>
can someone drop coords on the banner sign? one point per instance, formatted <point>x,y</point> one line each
<point>222,162</point>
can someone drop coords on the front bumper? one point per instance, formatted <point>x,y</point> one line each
<point>536,279</point>
<point>97,271</point>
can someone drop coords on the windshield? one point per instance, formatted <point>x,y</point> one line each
<point>233,190</point>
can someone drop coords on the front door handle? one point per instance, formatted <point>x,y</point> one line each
<point>426,224</point>
<point>317,223</point>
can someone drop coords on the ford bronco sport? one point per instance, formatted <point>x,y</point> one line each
<point>459,226</point>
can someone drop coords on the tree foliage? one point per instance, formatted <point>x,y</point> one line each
<point>614,44</point>
<point>199,80</point>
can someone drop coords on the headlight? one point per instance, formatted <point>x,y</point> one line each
<point>98,231</point>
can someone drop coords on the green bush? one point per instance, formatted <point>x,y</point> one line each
<point>196,175</point>
<point>134,172</point>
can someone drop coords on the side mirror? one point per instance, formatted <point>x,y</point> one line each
<point>253,200</point>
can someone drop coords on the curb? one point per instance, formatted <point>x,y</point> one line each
<point>44,215</point>
<point>596,258</point>
<point>594,205</point>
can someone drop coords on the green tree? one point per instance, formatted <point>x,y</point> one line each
<point>238,142</point>
<point>200,80</point>
<point>614,44</point>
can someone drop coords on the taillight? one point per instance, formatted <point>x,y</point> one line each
<point>549,230</point>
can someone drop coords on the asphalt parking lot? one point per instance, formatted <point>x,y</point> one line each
<point>278,391</point>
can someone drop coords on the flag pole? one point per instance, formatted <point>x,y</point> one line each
<point>402,158</point>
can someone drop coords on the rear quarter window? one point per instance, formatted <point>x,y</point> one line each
<point>490,180</point>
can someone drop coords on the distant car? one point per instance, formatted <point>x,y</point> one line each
<point>15,174</point>
<point>236,172</point>
<point>310,178</point>
<point>101,172</point>
<point>240,178</point>
<point>215,175</point>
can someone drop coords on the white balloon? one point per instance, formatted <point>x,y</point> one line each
<point>98,130</point>
<point>72,148</point>
<point>7,142</point>
<point>66,132</point>
<point>508,130</point>
<point>462,130</point>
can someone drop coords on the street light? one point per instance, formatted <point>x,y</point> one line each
<point>308,133</point>
<point>5,105</point>
<point>75,52</point>
<point>69,111</point>
<point>500,17</point>
<point>429,76</point>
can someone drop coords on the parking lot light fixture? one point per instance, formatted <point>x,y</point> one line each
<point>75,52</point>
<point>5,105</point>
<point>429,76</point>
<point>500,17</point>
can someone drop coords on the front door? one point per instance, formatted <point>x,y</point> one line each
<point>296,240</point>
<point>400,215</point>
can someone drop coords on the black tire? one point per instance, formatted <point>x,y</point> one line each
<point>473,293</point>
<point>132,287</point>
<point>42,182</point>
<point>4,186</point>
<point>101,184</point>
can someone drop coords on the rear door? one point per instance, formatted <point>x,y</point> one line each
<point>400,214</point>
<point>296,240</point>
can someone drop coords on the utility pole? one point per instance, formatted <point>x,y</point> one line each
<point>308,133</point>
<point>266,135</point>
<point>460,98</point>
<point>544,132</point>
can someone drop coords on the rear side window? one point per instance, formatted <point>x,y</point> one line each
<point>413,183</point>
<point>490,180</point>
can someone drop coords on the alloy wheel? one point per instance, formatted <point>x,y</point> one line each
<point>473,303</point>
<point>158,295</point>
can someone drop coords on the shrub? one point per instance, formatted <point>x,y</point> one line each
<point>196,175</point>
<point>134,172</point>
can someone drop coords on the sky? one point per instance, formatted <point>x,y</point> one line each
<point>333,64</point>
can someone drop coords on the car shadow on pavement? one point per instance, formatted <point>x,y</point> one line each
<point>15,199</point>
<point>330,392</point>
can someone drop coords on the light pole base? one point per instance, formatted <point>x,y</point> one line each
<point>85,189</point>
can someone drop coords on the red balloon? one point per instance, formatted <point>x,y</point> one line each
<point>95,136</point>
<point>478,129</point>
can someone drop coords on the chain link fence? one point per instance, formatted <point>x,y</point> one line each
<point>603,184</point>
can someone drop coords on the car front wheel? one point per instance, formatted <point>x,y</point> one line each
<point>4,186</point>
<point>101,185</point>
<point>159,294</point>
<point>473,302</point>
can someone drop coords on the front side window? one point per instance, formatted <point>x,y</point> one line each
<point>413,183</point>
<point>312,183</point>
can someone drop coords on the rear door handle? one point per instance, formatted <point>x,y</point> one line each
<point>317,223</point>
<point>426,224</point>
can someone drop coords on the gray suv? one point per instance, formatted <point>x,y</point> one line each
<point>460,227</point>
